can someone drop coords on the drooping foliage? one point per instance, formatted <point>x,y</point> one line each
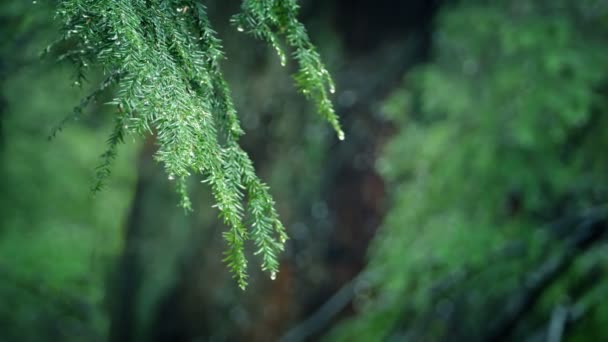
<point>501,143</point>
<point>164,59</point>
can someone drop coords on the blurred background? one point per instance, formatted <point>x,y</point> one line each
<point>467,203</point>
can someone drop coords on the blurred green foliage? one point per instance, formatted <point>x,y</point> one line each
<point>499,144</point>
<point>56,239</point>
<point>501,135</point>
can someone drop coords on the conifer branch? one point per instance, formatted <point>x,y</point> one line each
<point>171,84</point>
<point>79,109</point>
<point>104,169</point>
<point>271,20</point>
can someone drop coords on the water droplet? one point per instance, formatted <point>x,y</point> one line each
<point>273,275</point>
<point>283,239</point>
<point>283,61</point>
<point>240,29</point>
<point>171,177</point>
<point>34,2</point>
<point>341,135</point>
<point>332,89</point>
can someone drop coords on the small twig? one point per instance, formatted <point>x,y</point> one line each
<point>591,228</point>
<point>77,111</point>
<point>322,317</point>
<point>559,318</point>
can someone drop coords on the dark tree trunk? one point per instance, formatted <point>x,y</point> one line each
<point>144,219</point>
